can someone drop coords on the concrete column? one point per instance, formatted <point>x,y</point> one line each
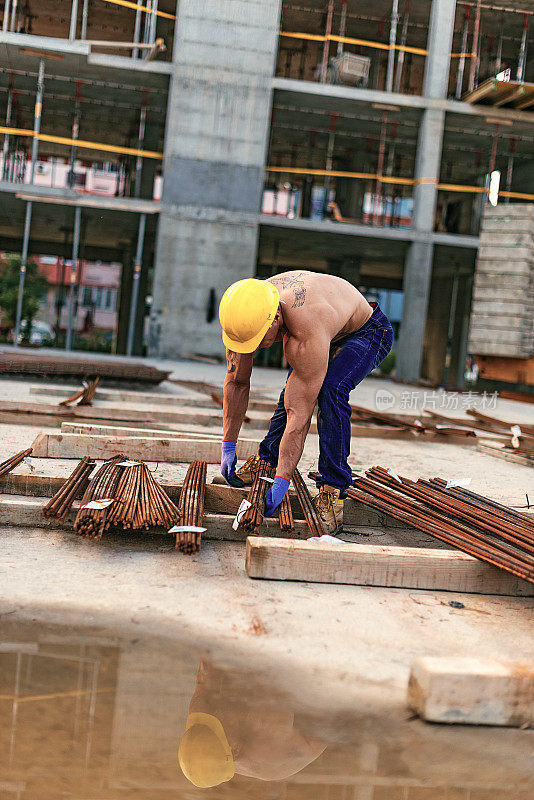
<point>418,265</point>
<point>216,137</point>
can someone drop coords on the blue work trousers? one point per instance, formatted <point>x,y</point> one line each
<point>351,360</point>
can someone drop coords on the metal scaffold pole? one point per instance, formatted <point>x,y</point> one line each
<point>73,276</point>
<point>137,31</point>
<point>404,37</point>
<point>85,13</point>
<point>75,132</point>
<point>29,205</point>
<point>523,51</point>
<point>73,20</point>
<point>392,43</point>
<point>135,283</point>
<point>140,145</point>
<point>13,15</point>
<point>328,31</point>
<point>476,50</point>
<point>9,109</point>
<point>461,63</point>
<point>342,25</point>
<point>5,22</point>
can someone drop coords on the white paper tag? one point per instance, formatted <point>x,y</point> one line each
<point>85,384</point>
<point>325,539</point>
<point>28,461</point>
<point>458,482</point>
<point>240,511</point>
<point>99,505</point>
<point>269,480</point>
<point>516,433</point>
<point>186,529</point>
<point>129,463</point>
<point>394,475</point>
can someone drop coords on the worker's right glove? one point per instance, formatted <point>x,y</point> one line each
<point>228,462</point>
<point>275,495</point>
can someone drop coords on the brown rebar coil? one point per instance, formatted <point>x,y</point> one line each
<point>84,396</point>
<point>76,484</point>
<point>285,515</point>
<point>90,522</point>
<point>14,461</point>
<point>472,523</point>
<point>311,514</point>
<point>191,507</point>
<point>252,518</point>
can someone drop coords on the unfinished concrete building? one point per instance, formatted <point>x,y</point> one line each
<point>248,138</point>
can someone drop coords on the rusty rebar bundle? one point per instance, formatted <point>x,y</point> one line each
<point>14,461</point>
<point>61,503</point>
<point>191,507</point>
<point>285,515</point>
<point>470,522</point>
<point>140,502</point>
<point>311,514</point>
<point>84,396</point>
<point>90,522</point>
<point>252,518</point>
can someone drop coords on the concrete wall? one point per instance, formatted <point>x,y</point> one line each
<point>217,124</point>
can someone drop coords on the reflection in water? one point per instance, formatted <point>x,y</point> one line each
<point>95,717</point>
<point>230,730</point>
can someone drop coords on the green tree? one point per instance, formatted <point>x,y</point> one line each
<point>35,286</point>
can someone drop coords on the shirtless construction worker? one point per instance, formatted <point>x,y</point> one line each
<point>332,338</point>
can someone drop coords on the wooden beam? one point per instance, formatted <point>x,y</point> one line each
<point>374,565</point>
<point>103,429</point>
<point>23,413</point>
<point>139,448</point>
<point>500,451</point>
<point>152,398</point>
<point>472,691</point>
<point>25,512</point>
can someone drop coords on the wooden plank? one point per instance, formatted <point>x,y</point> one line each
<point>498,450</point>
<point>24,412</point>
<point>374,565</point>
<point>25,512</point>
<point>124,430</point>
<point>151,398</point>
<point>472,691</point>
<point>74,445</point>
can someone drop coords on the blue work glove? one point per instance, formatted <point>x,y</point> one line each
<point>275,495</point>
<point>228,462</point>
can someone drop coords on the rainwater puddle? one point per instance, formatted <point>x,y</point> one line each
<point>93,716</point>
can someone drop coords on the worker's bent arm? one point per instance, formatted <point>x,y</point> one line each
<point>303,386</point>
<point>235,393</point>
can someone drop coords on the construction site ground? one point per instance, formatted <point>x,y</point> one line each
<point>360,640</point>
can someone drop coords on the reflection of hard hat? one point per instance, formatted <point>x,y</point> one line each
<point>246,312</point>
<point>204,753</point>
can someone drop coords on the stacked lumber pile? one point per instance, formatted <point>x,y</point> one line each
<point>502,316</point>
<point>389,425</point>
<point>39,364</point>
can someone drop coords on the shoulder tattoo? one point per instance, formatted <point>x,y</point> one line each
<point>300,297</point>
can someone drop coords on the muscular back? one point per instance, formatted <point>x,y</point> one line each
<point>323,305</point>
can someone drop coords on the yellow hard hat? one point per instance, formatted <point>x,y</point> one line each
<point>246,313</point>
<point>204,753</point>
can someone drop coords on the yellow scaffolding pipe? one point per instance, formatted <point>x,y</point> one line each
<point>82,143</point>
<point>442,187</point>
<point>313,37</point>
<point>136,6</point>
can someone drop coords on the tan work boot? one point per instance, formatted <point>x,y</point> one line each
<point>248,470</point>
<point>330,508</point>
